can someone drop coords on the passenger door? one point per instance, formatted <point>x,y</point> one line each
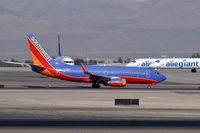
<point>147,73</point>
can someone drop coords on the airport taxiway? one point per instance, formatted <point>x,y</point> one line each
<point>30,96</point>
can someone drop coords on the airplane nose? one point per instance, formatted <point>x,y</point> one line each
<point>163,78</point>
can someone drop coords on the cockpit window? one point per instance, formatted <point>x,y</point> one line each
<point>157,61</point>
<point>157,73</point>
<point>133,61</point>
<point>68,62</point>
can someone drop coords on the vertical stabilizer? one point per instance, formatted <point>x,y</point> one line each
<point>40,56</point>
<point>59,50</point>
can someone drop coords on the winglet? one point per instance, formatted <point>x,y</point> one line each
<point>84,69</point>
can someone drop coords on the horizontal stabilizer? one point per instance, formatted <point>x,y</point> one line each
<point>37,69</point>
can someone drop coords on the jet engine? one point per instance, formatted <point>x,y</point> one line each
<point>117,82</point>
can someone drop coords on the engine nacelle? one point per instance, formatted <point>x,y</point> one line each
<point>117,82</point>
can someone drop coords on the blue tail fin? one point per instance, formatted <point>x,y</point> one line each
<point>59,50</point>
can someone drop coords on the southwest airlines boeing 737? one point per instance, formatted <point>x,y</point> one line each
<point>114,76</point>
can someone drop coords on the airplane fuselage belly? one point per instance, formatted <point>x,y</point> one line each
<point>135,80</point>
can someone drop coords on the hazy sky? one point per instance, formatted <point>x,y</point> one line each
<point>101,28</point>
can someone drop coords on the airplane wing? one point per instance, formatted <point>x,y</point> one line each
<point>94,77</point>
<point>31,66</point>
<point>17,63</point>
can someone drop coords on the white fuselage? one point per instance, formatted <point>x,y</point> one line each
<point>166,63</point>
<point>65,59</point>
<point>142,62</point>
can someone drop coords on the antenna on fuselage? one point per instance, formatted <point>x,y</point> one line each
<point>59,50</point>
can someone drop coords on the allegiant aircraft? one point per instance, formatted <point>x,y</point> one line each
<point>167,63</point>
<point>108,75</point>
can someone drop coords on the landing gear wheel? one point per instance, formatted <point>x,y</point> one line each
<point>95,85</point>
<point>149,86</point>
<point>193,70</point>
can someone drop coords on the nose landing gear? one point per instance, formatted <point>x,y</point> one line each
<point>151,84</point>
<point>193,70</point>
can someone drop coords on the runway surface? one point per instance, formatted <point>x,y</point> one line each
<point>30,99</point>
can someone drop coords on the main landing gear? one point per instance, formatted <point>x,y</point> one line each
<point>96,85</point>
<point>193,70</point>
